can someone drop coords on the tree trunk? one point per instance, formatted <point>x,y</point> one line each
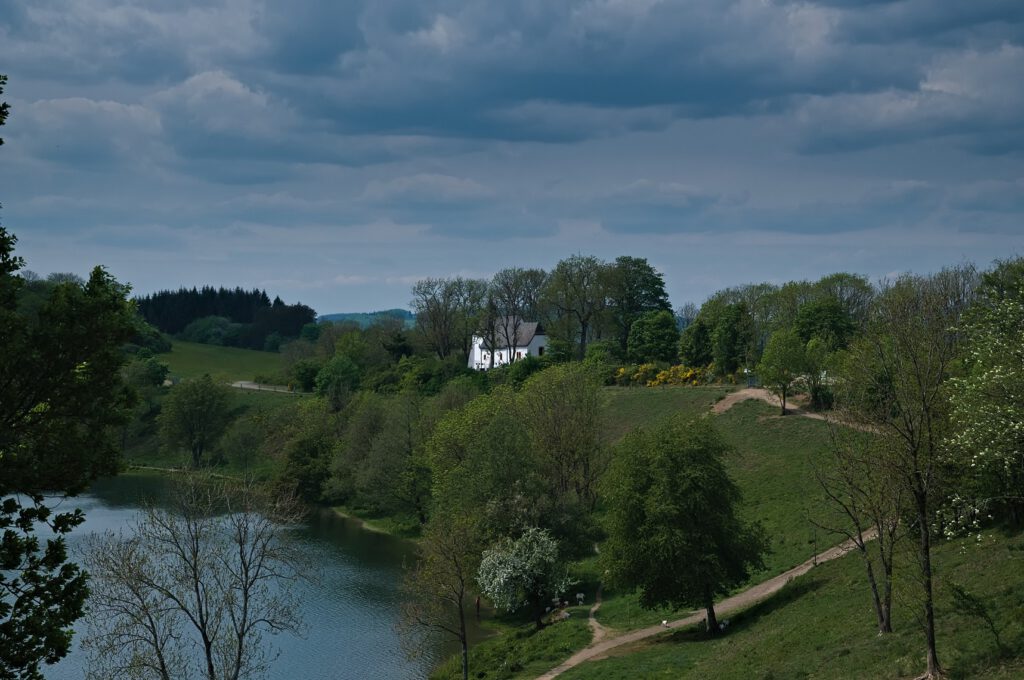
<point>463,640</point>
<point>783,401</point>
<point>875,599</point>
<point>886,585</point>
<point>712,620</point>
<point>934,669</point>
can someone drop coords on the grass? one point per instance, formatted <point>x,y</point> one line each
<point>518,650</point>
<point>772,463</point>
<point>402,526</point>
<point>228,364</point>
<point>632,407</point>
<point>822,626</point>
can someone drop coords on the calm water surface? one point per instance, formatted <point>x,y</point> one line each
<point>350,609</point>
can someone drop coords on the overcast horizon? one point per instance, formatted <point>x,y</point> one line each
<point>334,153</point>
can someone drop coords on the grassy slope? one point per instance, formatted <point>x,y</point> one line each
<point>772,465</point>
<point>822,626</point>
<point>631,407</point>
<point>192,360</point>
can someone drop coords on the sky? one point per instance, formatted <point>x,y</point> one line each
<point>334,152</point>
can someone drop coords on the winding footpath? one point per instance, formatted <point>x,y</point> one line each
<point>604,642</point>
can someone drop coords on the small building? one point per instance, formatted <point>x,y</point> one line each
<point>528,338</point>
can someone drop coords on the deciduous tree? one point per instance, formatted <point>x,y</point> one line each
<point>673,529</point>
<point>61,400</point>
<point>894,382</point>
<point>782,363</point>
<point>193,588</point>
<point>523,571</point>
<point>194,416</point>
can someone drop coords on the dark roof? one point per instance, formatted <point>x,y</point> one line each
<point>525,332</point>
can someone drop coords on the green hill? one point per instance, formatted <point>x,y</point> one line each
<point>819,626</point>
<point>365,319</point>
<point>192,360</point>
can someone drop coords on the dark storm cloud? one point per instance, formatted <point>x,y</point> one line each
<point>397,133</point>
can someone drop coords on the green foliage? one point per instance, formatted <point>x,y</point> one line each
<point>731,339</point>
<point>653,337</point>
<point>62,398</point>
<point>194,416</point>
<point>824,318</point>
<point>577,290</point>
<point>337,380</point>
<point>212,330</point>
<point>673,529</point>
<point>304,373</point>
<point>522,651</point>
<point>309,445</point>
<point>783,362</point>
<point>635,289</point>
<point>695,343</point>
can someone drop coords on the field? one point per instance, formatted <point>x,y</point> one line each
<point>822,626</point>
<point>632,407</point>
<point>227,364</point>
<point>772,463</point>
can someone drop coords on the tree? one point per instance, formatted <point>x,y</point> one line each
<point>337,380</point>
<point>194,416</point>
<point>635,289</point>
<point>731,339</point>
<point>524,571</point>
<point>894,382</point>
<point>513,294</point>
<point>563,409</point>
<point>4,107</point>
<point>988,402</point>
<point>673,531</point>
<point>193,588</point>
<point>576,289</point>
<point>866,501</point>
<point>653,337</point>
<point>782,363</point>
<point>448,312</point>
<point>824,318</point>
<point>438,587</point>
<point>695,343</point>
<point>62,401</point>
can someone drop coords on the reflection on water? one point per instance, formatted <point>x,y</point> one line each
<point>349,609</point>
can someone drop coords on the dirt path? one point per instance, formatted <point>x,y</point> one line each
<point>599,648</point>
<point>598,632</point>
<point>262,387</point>
<point>764,395</point>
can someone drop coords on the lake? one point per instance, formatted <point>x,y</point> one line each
<point>350,610</point>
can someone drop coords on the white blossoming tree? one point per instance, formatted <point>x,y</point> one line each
<point>988,402</point>
<point>524,571</point>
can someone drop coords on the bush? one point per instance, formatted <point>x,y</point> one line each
<point>679,375</point>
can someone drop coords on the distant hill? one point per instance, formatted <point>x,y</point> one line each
<point>365,319</point>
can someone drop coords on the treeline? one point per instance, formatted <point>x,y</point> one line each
<point>581,302</point>
<point>223,316</point>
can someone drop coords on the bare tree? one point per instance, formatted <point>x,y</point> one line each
<point>448,311</point>
<point>869,505</point>
<point>438,587</point>
<point>516,294</point>
<point>895,382</point>
<point>194,587</point>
